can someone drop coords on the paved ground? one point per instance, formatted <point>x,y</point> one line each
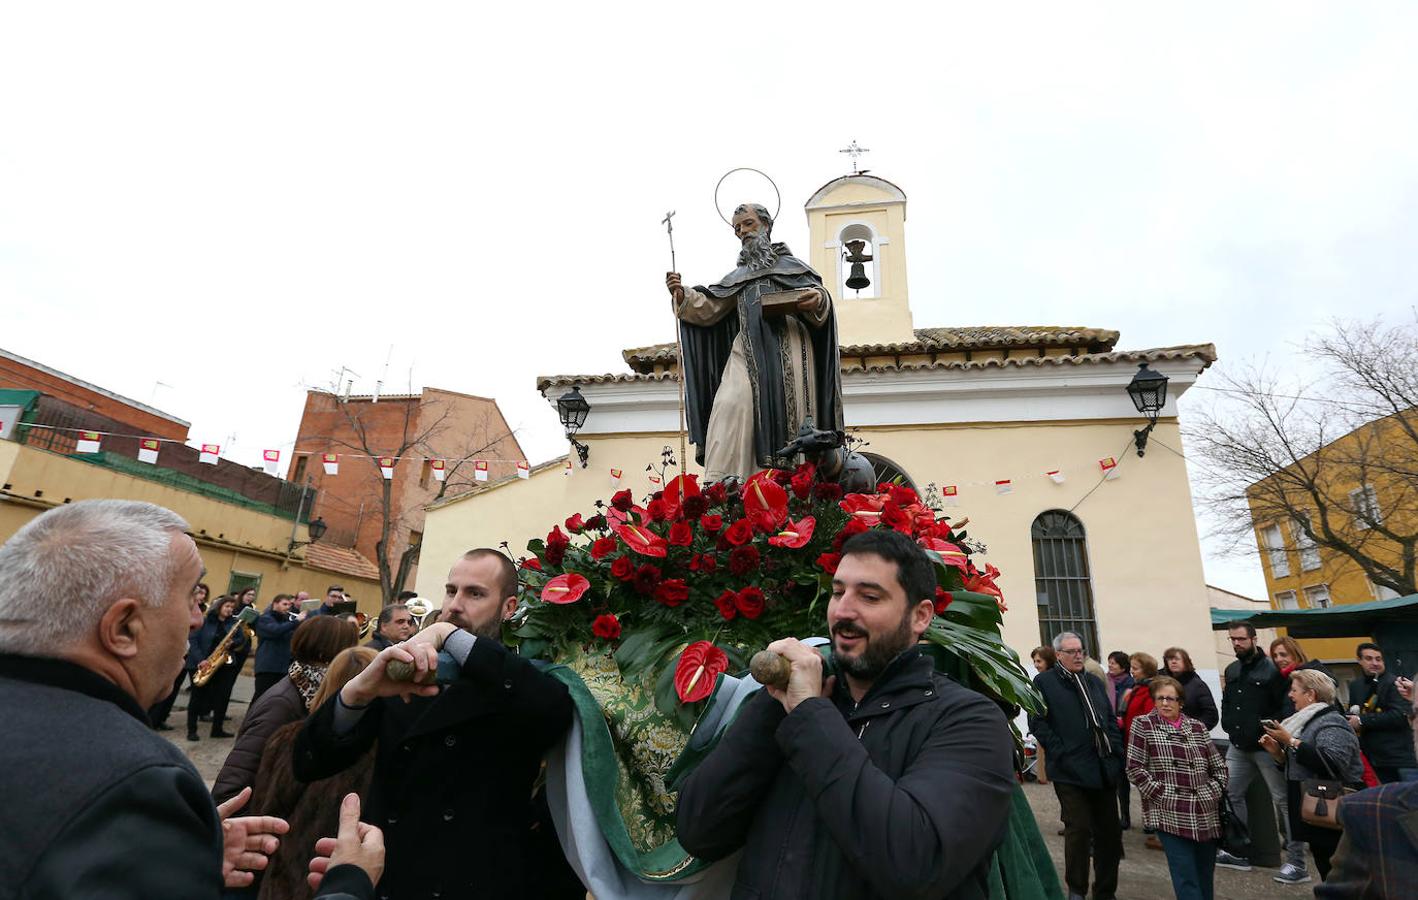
<point>1142,876</point>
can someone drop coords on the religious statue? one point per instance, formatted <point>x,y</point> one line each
<point>760,354</point>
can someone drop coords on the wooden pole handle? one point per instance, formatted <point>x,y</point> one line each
<point>770,669</point>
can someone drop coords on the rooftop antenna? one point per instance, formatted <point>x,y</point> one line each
<point>153,395</point>
<point>343,384</point>
<point>379,385</point>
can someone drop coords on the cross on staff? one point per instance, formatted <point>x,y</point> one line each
<point>679,346</point>
<point>854,151</point>
<point>670,230</point>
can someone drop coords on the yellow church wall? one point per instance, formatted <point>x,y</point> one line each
<point>886,317</point>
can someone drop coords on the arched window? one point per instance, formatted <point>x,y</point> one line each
<point>1062,584</point>
<point>858,242</point>
<point>886,470</point>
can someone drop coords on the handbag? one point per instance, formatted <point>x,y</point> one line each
<point>1235,835</point>
<point>1319,799</point>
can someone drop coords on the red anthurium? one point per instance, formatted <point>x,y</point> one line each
<point>699,664</point>
<point>864,508</point>
<point>954,556</point>
<point>640,539</point>
<point>984,583</point>
<point>935,543</point>
<point>893,516</point>
<point>566,588</point>
<point>532,563</point>
<point>942,601</point>
<point>680,488</point>
<point>795,534</point>
<point>764,501</point>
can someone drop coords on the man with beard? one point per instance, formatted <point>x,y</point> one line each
<point>886,780</point>
<point>752,376</point>
<point>454,764</point>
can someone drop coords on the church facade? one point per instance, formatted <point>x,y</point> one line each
<point>1026,431</point>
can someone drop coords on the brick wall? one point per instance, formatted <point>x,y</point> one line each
<point>16,374</point>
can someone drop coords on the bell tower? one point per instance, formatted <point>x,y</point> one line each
<point>857,227</point>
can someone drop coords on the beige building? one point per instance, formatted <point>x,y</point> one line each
<point>990,411</point>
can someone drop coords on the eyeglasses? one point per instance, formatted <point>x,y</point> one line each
<point>1165,700</point>
<point>1078,652</point>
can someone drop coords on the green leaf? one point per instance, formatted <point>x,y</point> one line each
<point>645,647</point>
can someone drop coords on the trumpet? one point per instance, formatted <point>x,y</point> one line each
<point>419,609</point>
<point>221,654</point>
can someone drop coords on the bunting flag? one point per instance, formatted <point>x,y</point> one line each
<point>567,470</point>
<point>331,462</point>
<point>440,468</point>
<point>271,459</point>
<point>615,477</point>
<point>1109,465</point>
<point>480,470</point>
<point>88,442</point>
<point>386,466</point>
<point>950,495</point>
<point>148,451</point>
<point>209,454</point>
<point>656,480</point>
<point>1004,486</point>
<point>1055,476</point>
<point>524,471</point>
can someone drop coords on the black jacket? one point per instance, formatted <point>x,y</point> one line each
<point>1384,731</point>
<point>281,705</point>
<point>1252,689</point>
<point>201,644</point>
<point>453,771</point>
<point>1197,700</point>
<point>905,794</point>
<point>1064,733</point>
<point>96,804</point>
<point>273,632</point>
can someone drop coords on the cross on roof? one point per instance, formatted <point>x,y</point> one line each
<point>854,151</point>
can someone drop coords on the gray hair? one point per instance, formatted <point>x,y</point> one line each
<point>1059,639</point>
<point>61,572</point>
<point>758,210</point>
<point>1316,682</point>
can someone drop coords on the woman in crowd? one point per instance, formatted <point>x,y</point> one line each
<point>203,594</point>
<point>1315,742</point>
<point>315,643</point>
<point>1043,657</point>
<point>214,696</point>
<point>311,809</point>
<point>1180,777</point>
<point>1136,702</point>
<point>1285,652</point>
<point>1119,683</point>
<point>274,629</point>
<point>1196,695</point>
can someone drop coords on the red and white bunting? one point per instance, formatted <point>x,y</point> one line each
<point>439,467</point>
<point>567,470</point>
<point>331,462</point>
<point>524,471</point>
<point>480,470</point>
<point>1055,476</point>
<point>950,495</point>
<point>1004,486</point>
<point>210,453</point>
<point>1109,465</point>
<point>615,477</point>
<point>271,459</point>
<point>89,442</point>
<point>386,466</point>
<point>656,480</point>
<point>148,451</point>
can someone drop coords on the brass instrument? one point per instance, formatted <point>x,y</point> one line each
<point>363,622</point>
<point>420,609</point>
<point>220,655</point>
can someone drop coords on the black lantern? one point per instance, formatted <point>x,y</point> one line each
<point>316,529</point>
<point>572,407</point>
<point>1148,390</point>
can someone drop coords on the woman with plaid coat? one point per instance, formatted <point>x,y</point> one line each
<point>1181,778</point>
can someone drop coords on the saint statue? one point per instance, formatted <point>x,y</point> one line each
<point>754,373</point>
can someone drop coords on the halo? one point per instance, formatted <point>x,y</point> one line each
<point>776,192</point>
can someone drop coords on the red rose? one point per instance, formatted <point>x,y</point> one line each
<point>646,578</point>
<point>602,548</point>
<point>606,626</point>
<point>623,568</point>
<point>711,524</point>
<point>782,476</point>
<point>575,525</point>
<point>556,544</point>
<point>705,562</point>
<point>694,506</point>
<point>942,600</point>
<point>892,516</point>
<point>659,511</point>
<point>532,563</point>
<point>672,592</point>
<point>597,523</point>
<point>807,468</point>
<point>827,490</point>
<point>802,486</point>
<point>829,561</point>
<point>725,603</point>
<point>743,560</point>
<point>902,495</point>
<point>739,533</point>
<point>681,534</point>
<point>717,493</point>
<point>622,500</point>
<point>853,526</point>
<point>749,601</point>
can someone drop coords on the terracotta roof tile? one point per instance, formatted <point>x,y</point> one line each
<point>343,560</point>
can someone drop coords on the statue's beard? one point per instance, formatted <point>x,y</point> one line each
<point>757,252</point>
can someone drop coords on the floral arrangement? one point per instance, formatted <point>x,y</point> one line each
<point>696,580</point>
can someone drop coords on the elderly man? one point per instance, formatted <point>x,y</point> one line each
<point>96,600</point>
<point>1084,746</point>
<point>395,624</point>
<point>888,781</point>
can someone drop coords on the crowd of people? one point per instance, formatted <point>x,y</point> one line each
<point>1136,725</point>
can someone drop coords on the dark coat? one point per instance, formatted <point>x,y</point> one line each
<point>96,804</point>
<point>1252,689</point>
<point>903,795</point>
<point>274,632</point>
<point>280,705</point>
<point>1197,700</point>
<point>378,642</point>
<point>1384,730</point>
<point>1065,736</point>
<point>201,645</point>
<point>451,771</point>
<point>1377,857</point>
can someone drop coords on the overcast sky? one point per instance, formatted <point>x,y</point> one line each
<point>211,207</point>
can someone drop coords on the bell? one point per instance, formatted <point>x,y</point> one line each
<point>858,279</point>
<point>854,255</point>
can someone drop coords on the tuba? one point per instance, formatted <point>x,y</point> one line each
<point>221,653</point>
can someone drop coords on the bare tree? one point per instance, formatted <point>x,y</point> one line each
<point>1332,462</point>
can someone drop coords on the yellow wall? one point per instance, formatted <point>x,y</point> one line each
<point>230,538</point>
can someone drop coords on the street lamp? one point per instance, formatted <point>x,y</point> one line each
<point>572,407</point>
<point>1148,390</point>
<point>316,528</point>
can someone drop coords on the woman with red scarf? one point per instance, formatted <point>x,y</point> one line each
<point>1138,702</point>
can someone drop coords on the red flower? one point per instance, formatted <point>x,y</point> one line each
<point>717,493</point>
<point>556,544</point>
<point>705,563</point>
<point>597,522</point>
<point>955,557</point>
<point>781,476</point>
<point>532,563</point>
<point>802,486</point>
<point>622,500</point>
<point>739,533</point>
<point>902,495</point>
<point>641,539</point>
<point>566,588</point>
<point>893,517</point>
<point>935,543</point>
<point>678,493</point>
<point>575,525</point>
<point>764,501</point>
<point>659,510</point>
<point>807,468</point>
<point>698,666</point>
<point>864,508</point>
<point>984,583</point>
<point>942,600</point>
<point>749,602</point>
<point>795,534</point>
<point>623,568</point>
<point>711,524</point>
<point>827,490</point>
<point>725,603</point>
<point>853,526</point>
<point>681,534</point>
<point>602,547</point>
<point>829,561</point>
<point>672,592</point>
<point>694,507</point>
<point>743,560</point>
<point>606,626</point>
<point>646,578</point>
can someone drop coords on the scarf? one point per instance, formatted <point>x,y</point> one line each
<point>1288,669</point>
<point>1302,718</point>
<point>1095,724</point>
<point>306,678</point>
